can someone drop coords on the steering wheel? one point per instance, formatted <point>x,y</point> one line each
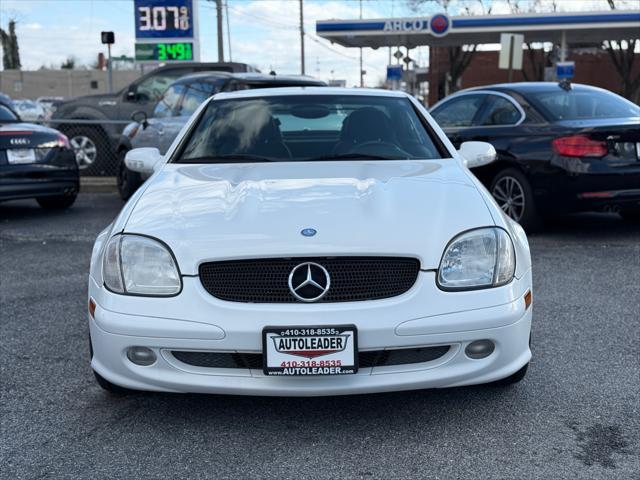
<point>375,147</point>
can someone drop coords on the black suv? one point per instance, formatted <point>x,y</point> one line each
<point>94,143</point>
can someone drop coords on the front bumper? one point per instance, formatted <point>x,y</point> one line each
<point>382,324</point>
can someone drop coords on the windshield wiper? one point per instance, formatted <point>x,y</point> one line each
<point>230,156</point>
<point>350,156</point>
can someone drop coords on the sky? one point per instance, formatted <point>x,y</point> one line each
<point>264,33</point>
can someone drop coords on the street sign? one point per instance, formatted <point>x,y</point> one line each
<point>510,51</point>
<point>166,31</point>
<point>394,72</point>
<point>565,70</point>
<point>108,38</point>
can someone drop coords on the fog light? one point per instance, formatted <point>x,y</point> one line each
<point>479,349</point>
<point>141,356</point>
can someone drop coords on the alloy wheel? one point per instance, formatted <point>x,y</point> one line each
<point>509,194</point>
<point>85,150</point>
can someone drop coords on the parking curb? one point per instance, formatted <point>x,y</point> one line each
<point>98,185</point>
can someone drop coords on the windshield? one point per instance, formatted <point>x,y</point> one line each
<point>7,115</point>
<point>578,104</point>
<point>308,127</point>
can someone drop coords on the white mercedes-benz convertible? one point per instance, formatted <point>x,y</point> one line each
<point>310,241</point>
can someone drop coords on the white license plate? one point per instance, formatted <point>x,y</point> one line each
<point>319,350</point>
<point>16,156</point>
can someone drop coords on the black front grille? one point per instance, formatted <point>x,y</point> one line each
<point>375,358</point>
<point>352,278</point>
<point>219,360</point>
<point>401,356</point>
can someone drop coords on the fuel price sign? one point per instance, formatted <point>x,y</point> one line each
<point>166,31</point>
<point>164,52</point>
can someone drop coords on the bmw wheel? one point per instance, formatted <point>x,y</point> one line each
<point>512,191</point>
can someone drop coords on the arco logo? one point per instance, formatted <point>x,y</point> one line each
<point>439,24</point>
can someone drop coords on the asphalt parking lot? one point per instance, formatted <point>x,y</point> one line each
<point>576,414</point>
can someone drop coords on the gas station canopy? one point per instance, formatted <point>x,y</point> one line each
<point>441,30</point>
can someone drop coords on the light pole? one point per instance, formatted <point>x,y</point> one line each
<point>361,71</point>
<point>219,22</point>
<point>301,38</point>
<point>108,38</point>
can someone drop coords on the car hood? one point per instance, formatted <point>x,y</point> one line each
<point>95,98</point>
<point>214,212</point>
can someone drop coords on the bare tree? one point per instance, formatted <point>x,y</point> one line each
<point>623,56</point>
<point>459,57</point>
<point>537,58</point>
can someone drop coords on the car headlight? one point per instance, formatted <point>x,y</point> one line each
<point>138,265</point>
<point>481,258</point>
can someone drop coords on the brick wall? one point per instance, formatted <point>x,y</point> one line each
<point>592,68</point>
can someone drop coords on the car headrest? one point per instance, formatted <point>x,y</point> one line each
<point>366,124</point>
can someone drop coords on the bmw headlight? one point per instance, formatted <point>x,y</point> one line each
<point>138,265</point>
<point>481,258</point>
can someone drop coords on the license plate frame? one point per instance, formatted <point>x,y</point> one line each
<point>21,156</point>
<point>295,359</point>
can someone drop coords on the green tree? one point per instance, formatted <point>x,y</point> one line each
<point>11,53</point>
<point>68,64</point>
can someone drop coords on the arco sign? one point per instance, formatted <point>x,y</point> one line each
<point>437,25</point>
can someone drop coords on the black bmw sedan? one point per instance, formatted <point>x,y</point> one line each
<point>561,148</point>
<point>35,162</point>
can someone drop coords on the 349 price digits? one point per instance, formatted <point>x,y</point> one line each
<point>175,51</point>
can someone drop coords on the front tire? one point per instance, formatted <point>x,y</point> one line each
<point>57,202</point>
<point>110,387</point>
<point>513,378</point>
<point>513,193</point>
<point>103,382</point>
<point>128,181</point>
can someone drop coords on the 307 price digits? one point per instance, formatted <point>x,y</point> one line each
<point>157,18</point>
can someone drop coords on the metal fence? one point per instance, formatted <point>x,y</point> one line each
<point>97,144</point>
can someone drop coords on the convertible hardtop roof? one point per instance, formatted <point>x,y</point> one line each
<point>530,87</point>
<point>288,91</point>
<point>252,78</point>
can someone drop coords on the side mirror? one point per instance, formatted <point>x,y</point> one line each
<point>132,93</point>
<point>143,160</point>
<point>477,154</point>
<point>140,117</point>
